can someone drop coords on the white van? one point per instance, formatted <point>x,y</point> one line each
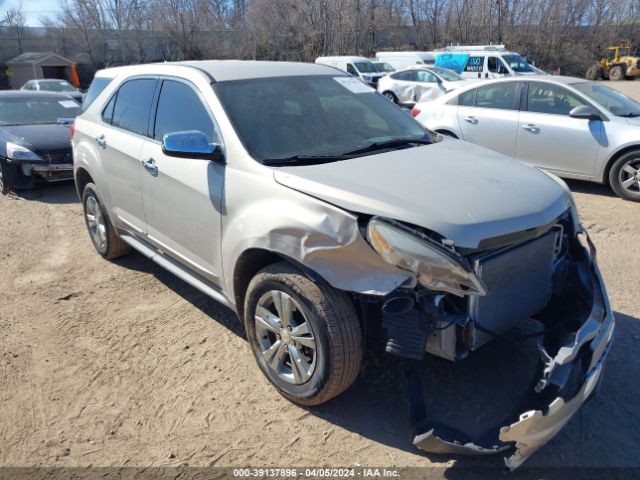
<point>483,61</point>
<point>401,60</point>
<point>360,67</point>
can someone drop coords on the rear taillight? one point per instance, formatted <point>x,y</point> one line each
<point>415,112</point>
<point>72,129</point>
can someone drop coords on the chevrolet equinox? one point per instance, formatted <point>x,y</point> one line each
<point>313,207</point>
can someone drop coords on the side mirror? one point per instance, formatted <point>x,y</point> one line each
<point>191,144</point>
<point>585,112</point>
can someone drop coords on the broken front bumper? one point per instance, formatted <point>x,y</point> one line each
<point>573,372</point>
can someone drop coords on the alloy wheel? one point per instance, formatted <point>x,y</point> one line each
<point>285,337</point>
<point>96,223</point>
<point>629,176</point>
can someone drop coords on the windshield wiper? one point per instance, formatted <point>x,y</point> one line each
<point>302,160</point>
<point>630,115</point>
<point>396,142</point>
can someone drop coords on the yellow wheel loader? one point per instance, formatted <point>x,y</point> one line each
<point>618,64</point>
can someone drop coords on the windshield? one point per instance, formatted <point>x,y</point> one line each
<point>384,67</point>
<point>319,116</point>
<point>57,86</point>
<point>36,111</point>
<point>447,74</point>
<point>517,63</point>
<point>366,67</point>
<point>614,101</point>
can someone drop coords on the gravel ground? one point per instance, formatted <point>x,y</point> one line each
<point>122,364</point>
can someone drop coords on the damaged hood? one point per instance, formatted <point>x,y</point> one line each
<point>461,191</point>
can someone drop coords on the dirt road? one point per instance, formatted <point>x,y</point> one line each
<point>122,364</point>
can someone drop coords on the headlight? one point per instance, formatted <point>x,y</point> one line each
<point>18,152</point>
<point>367,78</point>
<point>437,269</point>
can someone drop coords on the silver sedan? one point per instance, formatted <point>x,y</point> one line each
<point>568,126</point>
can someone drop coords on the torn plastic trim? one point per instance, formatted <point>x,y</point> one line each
<point>534,428</point>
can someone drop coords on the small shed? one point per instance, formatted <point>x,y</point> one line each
<point>37,65</point>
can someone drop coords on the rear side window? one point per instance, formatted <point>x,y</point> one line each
<point>500,96</point>
<point>95,89</point>
<point>407,76</point>
<point>133,105</point>
<point>180,109</point>
<point>467,99</point>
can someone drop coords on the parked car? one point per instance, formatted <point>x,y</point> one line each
<point>35,139</point>
<point>568,126</point>
<point>400,60</point>
<point>313,207</point>
<point>419,83</point>
<point>359,67</point>
<point>383,67</point>
<point>53,85</point>
<point>483,61</point>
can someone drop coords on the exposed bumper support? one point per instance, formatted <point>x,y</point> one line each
<point>53,172</point>
<point>534,428</point>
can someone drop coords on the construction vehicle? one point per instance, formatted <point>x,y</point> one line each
<point>618,64</point>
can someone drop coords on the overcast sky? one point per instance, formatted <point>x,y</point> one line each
<point>34,9</point>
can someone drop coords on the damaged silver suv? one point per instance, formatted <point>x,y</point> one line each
<point>313,207</point>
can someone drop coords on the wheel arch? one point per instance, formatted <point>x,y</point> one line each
<point>82,177</point>
<point>447,132</point>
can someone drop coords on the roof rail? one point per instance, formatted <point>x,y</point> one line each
<point>468,48</point>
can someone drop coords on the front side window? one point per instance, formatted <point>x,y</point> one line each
<point>448,75</point>
<point>180,109</point>
<point>425,77</point>
<point>351,70</point>
<point>495,65</point>
<point>614,101</point>
<point>366,67</point>
<point>499,95</point>
<point>133,105</point>
<point>517,63</point>
<point>314,116</point>
<point>551,99</point>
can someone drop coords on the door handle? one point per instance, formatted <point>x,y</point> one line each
<point>530,127</point>
<point>472,120</point>
<point>101,141</point>
<point>151,167</point>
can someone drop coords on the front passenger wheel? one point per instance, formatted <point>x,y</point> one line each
<point>624,176</point>
<point>104,237</point>
<point>305,335</point>
<point>391,97</point>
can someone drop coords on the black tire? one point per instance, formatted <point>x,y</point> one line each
<point>113,246</point>
<point>334,326</point>
<point>594,73</point>
<point>621,171</point>
<point>616,73</point>
<point>391,97</point>
<point>4,187</point>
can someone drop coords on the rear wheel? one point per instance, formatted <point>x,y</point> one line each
<point>616,73</point>
<point>391,97</point>
<point>305,335</point>
<point>4,188</point>
<point>624,176</point>
<point>104,237</point>
<point>594,73</point>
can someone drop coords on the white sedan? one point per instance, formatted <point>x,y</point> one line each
<point>419,83</point>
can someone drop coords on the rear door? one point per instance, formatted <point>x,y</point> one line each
<point>403,86</point>
<point>426,87</point>
<point>488,116</point>
<point>548,137</point>
<point>120,136</point>
<point>183,197</point>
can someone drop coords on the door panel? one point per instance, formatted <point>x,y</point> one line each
<point>548,137</point>
<point>493,121</point>
<point>182,205</point>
